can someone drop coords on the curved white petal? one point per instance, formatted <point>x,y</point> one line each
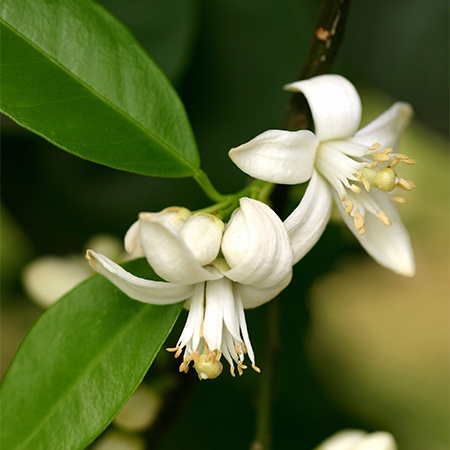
<point>192,330</point>
<point>335,105</point>
<point>252,297</point>
<point>307,222</point>
<point>218,294</point>
<point>258,246</point>
<point>387,127</point>
<point>132,241</point>
<point>146,291</point>
<point>343,440</point>
<point>390,246</point>
<point>285,157</point>
<point>169,255</point>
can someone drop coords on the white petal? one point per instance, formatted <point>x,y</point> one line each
<point>285,157</point>
<point>132,241</point>
<point>379,440</point>
<point>192,329</point>
<point>146,291</point>
<point>386,129</point>
<point>252,297</point>
<point>335,105</point>
<point>243,328</point>
<point>307,222</point>
<point>390,246</point>
<point>218,293</point>
<point>267,255</point>
<point>343,440</point>
<point>169,255</point>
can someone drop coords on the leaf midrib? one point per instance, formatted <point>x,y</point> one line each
<point>104,99</point>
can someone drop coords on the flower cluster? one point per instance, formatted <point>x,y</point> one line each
<point>221,269</point>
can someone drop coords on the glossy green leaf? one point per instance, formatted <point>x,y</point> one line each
<point>79,364</point>
<point>74,75</point>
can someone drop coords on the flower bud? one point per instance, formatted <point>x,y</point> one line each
<point>235,242</point>
<point>174,215</point>
<point>203,235</point>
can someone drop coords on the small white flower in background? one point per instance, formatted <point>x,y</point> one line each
<point>219,271</point>
<point>47,278</point>
<point>359,440</point>
<point>354,167</point>
<point>140,411</point>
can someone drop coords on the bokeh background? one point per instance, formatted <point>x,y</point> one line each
<point>359,346</point>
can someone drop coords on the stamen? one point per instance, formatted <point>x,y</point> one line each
<point>256,368</point>
<point>343,197</point>
<point>375,146</point>
<point>349,207</point>
<point>366,184</point>
<point>358,221</point>
<point>177,351</point>
<point>355,189</point>
<point>381,157</point>
<point>398,199</point>
<point>232,371</point>
<point>383,217</point>
<point>405,184</point>
<point>393,163</point>
<point>409,161</point>
<point>372,165</point>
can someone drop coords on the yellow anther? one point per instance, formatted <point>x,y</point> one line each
<point>402,156</point>
<point>343,197</point>
<point>394,162</point>
<point>405,184</point>
<point>398,199</point>
<point>358,221</point>
<point>384,218</point>
<point>381,157</point>
<point>387,151</point>
<point>177,351</point>
<point>256,368</point>
<point>349,207</point>
<point>375,146</point>
<point>355,189</point>
<point>409,161</point>
<point>366,184</point>
<point>372,165</point>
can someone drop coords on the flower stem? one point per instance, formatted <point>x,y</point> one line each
<point>204,182</point>
<point>263,436</point>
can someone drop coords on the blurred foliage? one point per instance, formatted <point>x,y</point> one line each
<point>229,61</point>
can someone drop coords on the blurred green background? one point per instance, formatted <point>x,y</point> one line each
<point>362,348</point>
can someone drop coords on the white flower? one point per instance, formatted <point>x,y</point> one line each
<point>218,271</point>
<point>359,440</point>
<point>354,167</point>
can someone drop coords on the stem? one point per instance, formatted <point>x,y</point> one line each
<point>204,182</point>
<point>263,436</point>
<point>328,34</point>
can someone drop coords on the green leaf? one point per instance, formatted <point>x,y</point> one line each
<point>79,364</point>
<point>74,75</point>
